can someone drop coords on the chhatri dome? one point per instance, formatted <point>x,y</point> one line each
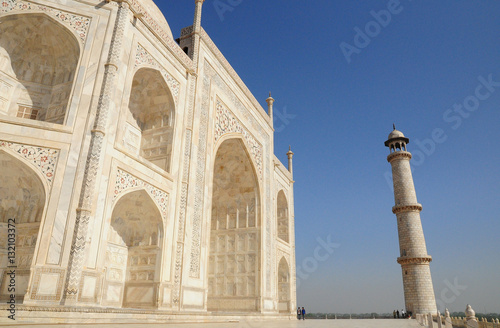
<point>396,135</point>
<point>155,13</point>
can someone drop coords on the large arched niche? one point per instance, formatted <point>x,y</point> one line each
<point>282,217</point>
<point>22,199</point>
<point>234,258</point>
<point>284,295</point>
<point>133,252</point>
<point>38,62</point>
<point>149,126</point>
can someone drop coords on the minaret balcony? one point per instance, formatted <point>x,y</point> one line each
<point>399,155</point>
<point>407,208</point>
<point>414,259</point>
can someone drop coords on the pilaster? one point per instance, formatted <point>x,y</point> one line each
<point>94,159</point>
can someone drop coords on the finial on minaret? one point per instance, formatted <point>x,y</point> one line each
<point>270,102</point>
<point>290,155</point>
<point>393,126</point>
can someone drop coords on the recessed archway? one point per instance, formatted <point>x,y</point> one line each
<point>38,62</point>
<point>149,127</point>
<point>234,259</point>
<point>133,253</point>
<point>22,202</point>
<point>282,217</point>
<point>284,292</point>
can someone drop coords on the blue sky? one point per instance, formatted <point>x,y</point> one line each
<point>429,57</point>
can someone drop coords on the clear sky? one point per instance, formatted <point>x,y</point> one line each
<point>337,94</point>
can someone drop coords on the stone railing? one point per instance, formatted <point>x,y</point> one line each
<point>470,321</point>
<point>462,322</point>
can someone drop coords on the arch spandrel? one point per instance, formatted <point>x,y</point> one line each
<point>226,123</point>
<point>143,59</point>
<point>77,24</point>
<point>43,160</point>
<point>126,183</point>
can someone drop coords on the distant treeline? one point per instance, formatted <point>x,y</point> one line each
<point>372,315</point>
<point>480,316</point>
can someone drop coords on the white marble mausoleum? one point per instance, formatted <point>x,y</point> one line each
<point>137,171</point>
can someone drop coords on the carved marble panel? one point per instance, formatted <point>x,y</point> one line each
<point>226,122</point>
<point>126,181</point>
<point>43,159</point>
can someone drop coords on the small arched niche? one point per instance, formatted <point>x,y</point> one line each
<point>282,217</point>
<point>22,202</point>
<point>38,62</point>
<point>149,123</point>
<point>133,253</point>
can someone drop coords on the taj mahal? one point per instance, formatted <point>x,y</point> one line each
<point>140,171</point>
<point>138,175</point>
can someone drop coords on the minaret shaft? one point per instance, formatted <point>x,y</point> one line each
<point>414,260</point>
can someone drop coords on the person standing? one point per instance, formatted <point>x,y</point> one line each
<point>299,313</point>
<point>394,314</point>
<point>397,313</point>
<point>303,313</point>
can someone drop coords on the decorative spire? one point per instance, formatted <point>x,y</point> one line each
<point>197,16</point>
<point>393,126</point>
<point>290,163</point>
<point>270,102</point>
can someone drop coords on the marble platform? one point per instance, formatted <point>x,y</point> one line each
<point>363,323</point>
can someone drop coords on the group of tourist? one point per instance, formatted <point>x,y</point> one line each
<point>301,313</point>
<point>403,314</point>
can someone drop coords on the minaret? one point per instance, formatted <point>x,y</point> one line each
<point>290,155</point>
<point>414,260</point>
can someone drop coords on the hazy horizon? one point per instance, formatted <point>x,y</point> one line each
<point>338,91</point>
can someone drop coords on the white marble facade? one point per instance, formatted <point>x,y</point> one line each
<point>140,173</point>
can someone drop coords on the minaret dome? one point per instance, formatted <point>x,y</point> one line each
<point>396,141</point>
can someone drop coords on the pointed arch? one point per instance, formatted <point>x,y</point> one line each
<point>246,146</point>
<point>22,203</point>
<point>284,290</point>
<point>133,252</point>
<point>38,61</point>
<point>282,217</point>
<point>149,127</point>
<point>235,252</point>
